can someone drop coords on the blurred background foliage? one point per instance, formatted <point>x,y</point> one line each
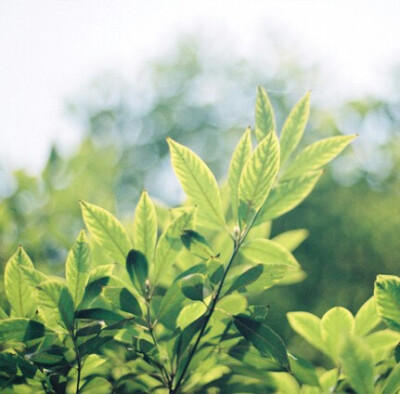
<point>205,101</point>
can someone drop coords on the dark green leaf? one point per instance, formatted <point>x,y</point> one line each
<point>196,244</point>
<point>192,286</point>
<point>248,277</point>
<point>122,299</point>
<point>138,270</point>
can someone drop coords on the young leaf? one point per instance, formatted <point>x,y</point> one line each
<point>77,268</point>
<point>122,299</point>
<point>137,267</point>
<point>316,155</point>
<point>196,244</point>
<point>266,251</point>
<point>294,127</point>
<point>265,118</point>
<point>169,244</point>
<point>56,300</point>
<point>198,182</point>
<point>233,304</point>
<point>190,313</point>
<point>367,318</point>
<point>387,297</point>
<point>392,384</point>
<point>286,196</point>
<point>358,365</point>
<point>267,342</point>
<point>304,371</point>
<point>336,324</point>
<point>21,330</point>
<point>240,157</point>
<point>257,177</point>
<point>145,227</point>
<point>192,286</point>
<point>107,231</point>
<point>19,294</point>
<point>307,325</point>
<point>291,239</point>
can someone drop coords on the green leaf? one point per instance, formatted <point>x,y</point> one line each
<point>287,195</point>
<point>122,299</point>
<point>240,157</point>
<point>291,239</point>
<point>246,278</point>
<point>336,324</point>
<point>3,315</point>
<point>367,318</point>
<point>387,297</point>
<point>21,330</point>
<point>382,339</point>
<point>266,251</point>
<point>169,245</point>
<point>357,365</point>
<point>265,119</point>
<point>316,155</point>
<point>196,244</point>
<point>392,384</point>
<point>77,268</point>
<point>100,314</point>
<point>145,227</point>
<point>215,270</point>
<point>233,304</point>
<point>19,294</point>
<point>294,127</point>
<point>303,371</point>
<point>137,267</point>
<point>57,302</point>
<point>190,313</point>
<point>96,385</point>
<point>107,231</point>
<point>257,178</point>
<point>308,326</point>
<point>266,341</point>
<point>198,182</point>
<point>192,286</point>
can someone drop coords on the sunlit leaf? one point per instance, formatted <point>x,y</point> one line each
<point>387,297</point>
<point>19,294</point>
<point>198,182</point>
<point>245,278</point>
<point>291,239</point>
<point>294,127</point>
<point>257,178</point>
<point>233,304</point>
<point>107,231</point>
<point>287,195</point>
<point>240,156</point>
<point>357,364</point>
<point>392,384</point>
<point>190,313</point>
<point>367,318</point>
<point>122,299</point>
<point>192,286</point>
<point>145,227</point>
<point>265,118</point>
<point>21,330</point>
<point>196,244</point>
<point>316,155</point>
<point>77,268</point>
<point>303,371</point>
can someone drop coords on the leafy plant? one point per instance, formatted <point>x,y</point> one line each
<point>177,309</point>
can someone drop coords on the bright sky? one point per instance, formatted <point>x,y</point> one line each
<point>49,49</point>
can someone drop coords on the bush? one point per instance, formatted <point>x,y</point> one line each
<point>180,308</point>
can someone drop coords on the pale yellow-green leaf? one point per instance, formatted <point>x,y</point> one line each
<point>266,251</point>
<point>145,227</point>
<point>265,118</point>
<point>387,297</point>
<point>382,339</point>
<point>316,155</point>
<point>294,127</point>
<point>169,245</point>
<point>233,304</point>
<point>367,318</point>
<point>284,383</point>
<point>357,365</point>
<point>19,293</point>
<point>77,268</point>
<point>336,324</point>
<point>240,157</point>
<point>258,176</point>
<point>190,313</point>
<point>308,326</point>
<point>392,384</point>
<point>107,231</point>
<point>287,195</point>
<point>292,239</point>
<point>198,183</point>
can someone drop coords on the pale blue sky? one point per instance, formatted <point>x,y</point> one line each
<point>51,48</point>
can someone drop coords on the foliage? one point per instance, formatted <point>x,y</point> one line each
<point>175,308</point>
